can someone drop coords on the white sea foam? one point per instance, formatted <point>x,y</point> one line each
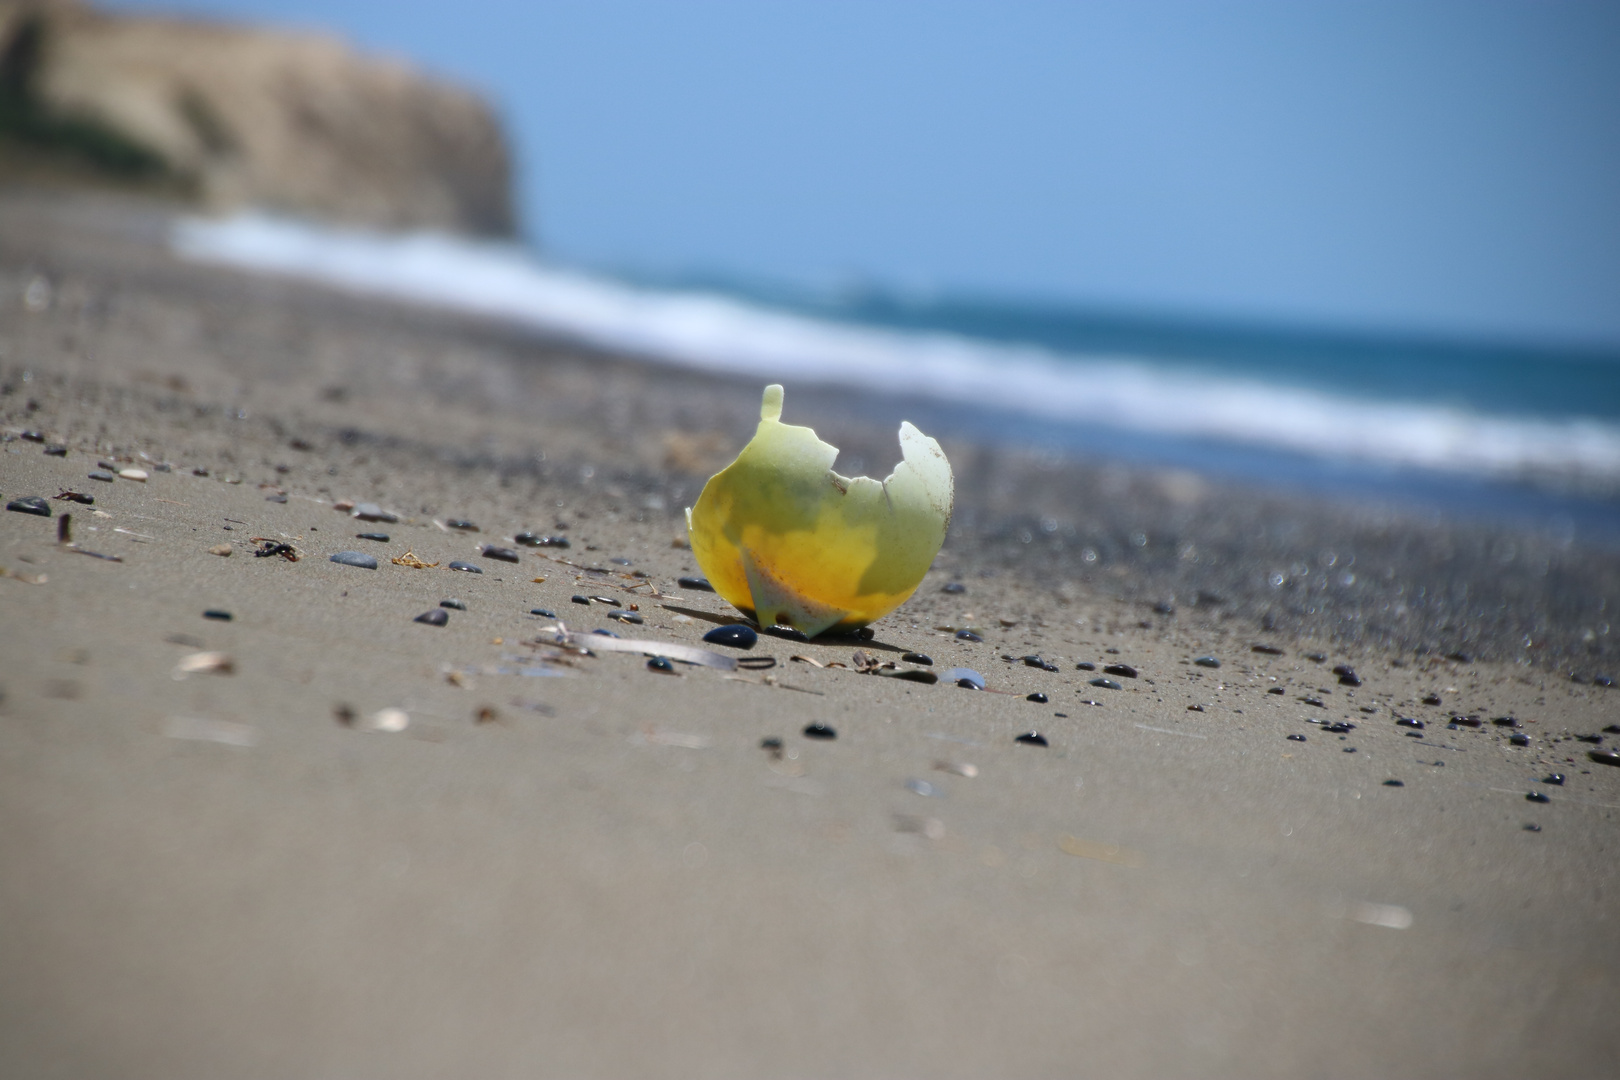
<point>717,333</point>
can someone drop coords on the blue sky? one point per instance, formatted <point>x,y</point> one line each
<point>1447,167</point>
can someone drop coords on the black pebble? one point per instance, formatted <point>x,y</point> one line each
<point>1037,662</point>
<point>436,617</point>
<point>819,731</point>
<point>381,538</point>
<point>1407,721</point>
<point>56,450</point>
<point>1602,680</point>
<point>1085,665</point>
<point>1431,699</point>
<point>770,742</point>
<point>697,584</point>
<point>1351,679</point>
<point>31,436</point>
<point>967,635</point>
<point>1340,727</point>
<point>464,567</point>
<point>1124,671</point>
<point>547,612</point>
<point>1268,650</point>
<point>621,562</point>
<point>1316,656</point>
<point>1555,778</point>
<point>1598,739</point>
<point>576,598</point>
<point>955,588</point>
<point>1613,729</point>
<point>1532,828</point>
<point>216,613</point>
<point>1032,738</point>
<point>1460,657</point>
<point>1604,757</point>
<point>1296,738</point>
<point>661,664</point>
<point>1349,749</point>
<point>30,504</point>
<point>1519,739</point>
<point>1164,607</point>
<point>736,635</point>
<point>1536,796</point>
<point>1504,721</point>
<point>1275,690</point>
<point>1467,721</point>
<point>347,558</point>
<point>1107,684</point>
<point>461,524</point>
<point>454,605</point>
<point>275,498</point>
<point>632,617</point>
<point>917,658</point>
<point>1037,697</point>
<point>104,477</point>
<point>790,633</point>
<point>503,554</point>
<point>1394,783</point>
<point>1207,661</point>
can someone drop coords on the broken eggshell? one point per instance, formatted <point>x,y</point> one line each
<point>784,538</point>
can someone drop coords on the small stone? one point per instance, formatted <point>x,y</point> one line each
<point>1613,729</point>
<point>631,617</point>
<point>355,558</point>
<point>1037,697</point>
<point>221,549</point>
<point>1164,607</point>
<point>1536,796</point>
<point>1505,721</point>
<point>435,617</point>
<point>275,498</point>
<point>1341,728</point>
<point>1315,657</point>
<point>1555,778</point>
<point>138,475</point>
<point>503,554</point>
<point>464,567</point>
<point>56,450</point>
<point>529,539</point>
<point>31,436</point>
<point>967,635</point>
<point>1085,665</point>
<point>1032,738</point>
<point>1407,721</point>
<point>1394,783</point>
<point>543,612</point>
<point>1604,757</point>
<point>373,512</point>
<point>1037,662</point>
<point>1207,661</point>
<point>576,598</point>
<point>1124,671</point>
<point>1460,657</point>
<point>1532,828</point>
<point>917,658</point>
<point>966,678</point>
<point>1589,739</point>
<point>1275,690</point>
<point>461,525</point>
<point>696,584</point>
<point>381,538</point>
<point>819,731</point>
<point>1195,708</point>
<point>216,613</point>
<point>734,635</point>
<point>790,633</point>
<point>1296,738</point>
<point>955,588</point>
<point>1268,650</point>
<point>662,665</point>
<point>1351,679</point>
<point>621,561</point>
<point>30,504</point>
<point>1106,684</point>
<point>1431,699</point>
<point>453,604</point>
<point>1349,749</point>
<point>1307,699</point>
<point>1519,739</point>
<point>77,496</point>
<point>104,477</point>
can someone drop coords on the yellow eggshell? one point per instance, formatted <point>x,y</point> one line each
<point>787,540</point>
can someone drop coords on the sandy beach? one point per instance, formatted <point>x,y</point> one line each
<point>569,865</point>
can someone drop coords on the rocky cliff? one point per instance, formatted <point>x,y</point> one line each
<point>236,116</point>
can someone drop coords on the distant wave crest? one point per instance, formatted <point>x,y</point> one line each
<point>717,333</point>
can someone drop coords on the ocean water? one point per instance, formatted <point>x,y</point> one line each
<point>1502,432</point>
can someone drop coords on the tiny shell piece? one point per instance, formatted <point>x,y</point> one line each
<point>133,474</point>
<point>787,540</point>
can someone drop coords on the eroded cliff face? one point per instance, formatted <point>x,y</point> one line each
<point>241,116</point>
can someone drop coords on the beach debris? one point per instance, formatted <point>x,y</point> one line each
<point>77,496</point>
<point>30,504</point>
<point>529,539</point>
<point>662,665</point>
<point>381,538</point>
<point>355,558</point>
<point>733,635</point>
<point>1091,849</point>
<point>64,537</point>
<point>674,650</point>
<point>453,604</point>
<point>222,550</point>
<point>486,714</point>
<point>227,732</point>
<point>499,553</point>
<point>925,789</point>
<point>1106,684</point>
<point>465,567</point>
<point>787,540</point>
<point>1207,661</point>
<point>434,617</point>
<point>290,553</point>
<point>460,525</point>
<point>373,512</point>
<point>1037,697</point>
<point>218,614</point>
<point>202,663</point>
<point>1124,671</point>
<point>103,476</point>
<point>696,584</point>
<point>138,475</point>
<point>819,730</point>
<point>957,768</point>
<point>1031,738</point>
<point>409,559</point>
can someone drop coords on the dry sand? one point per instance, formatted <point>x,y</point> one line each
<point>598,870</point>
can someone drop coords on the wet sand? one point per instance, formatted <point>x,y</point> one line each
<point>595,869</point>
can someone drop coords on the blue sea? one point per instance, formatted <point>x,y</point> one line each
<point>1504,432</point>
